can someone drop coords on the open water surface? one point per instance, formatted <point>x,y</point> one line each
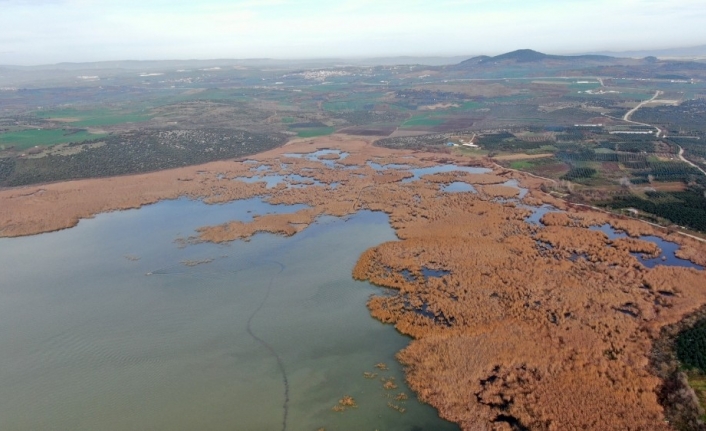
<point>667,257</point>
<point>89,341</point>
<point>419,172</point>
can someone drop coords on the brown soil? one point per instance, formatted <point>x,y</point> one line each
<point>531,328</point>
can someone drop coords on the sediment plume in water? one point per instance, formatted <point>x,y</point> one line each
<point>542,327</point>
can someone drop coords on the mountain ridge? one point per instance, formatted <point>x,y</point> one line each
<point>532,56</point>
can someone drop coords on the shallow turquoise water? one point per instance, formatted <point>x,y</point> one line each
<point>91,342</point>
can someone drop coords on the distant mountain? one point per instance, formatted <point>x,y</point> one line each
<point>688,53</point>
<point>531,56</point>
<point>165,65</point>
<point>529,63</point>
<point>522,56</point>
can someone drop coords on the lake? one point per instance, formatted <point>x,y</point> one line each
<point>112,326</point>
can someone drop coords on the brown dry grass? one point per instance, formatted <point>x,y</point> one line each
<point>497,191</point>
<point>523,330</point>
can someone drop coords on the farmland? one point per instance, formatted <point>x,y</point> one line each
<point>93,117</point>
<point>25,139</point>
<point>314,131</point>
<point>563,126</point>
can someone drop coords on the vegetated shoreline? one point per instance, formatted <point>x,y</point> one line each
<point>682,407</point>
<point>49,207</point>
<point>520,316</point>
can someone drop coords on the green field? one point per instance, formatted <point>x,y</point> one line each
<point>315,131</point>
<point>423,121</point>
<point>522,165</point>
<point>95,117</point>
<point>592,85</point>
<point>350,105</point>
<point>29,138</point>
<point>469,106</point>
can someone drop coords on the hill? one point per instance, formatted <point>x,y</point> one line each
<point>531,56</point>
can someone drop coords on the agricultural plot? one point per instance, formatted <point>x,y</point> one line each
<point>690,116</point>
<point>584,85</point>
<point>348,101</point>
<point>469,106</point>
<point>25,139</point>
<point>310,132</point>
<point>423,122</point>
<point>684,208</point>
<point>547,167</point>
<point>211,95</point>
<point>94,117</point>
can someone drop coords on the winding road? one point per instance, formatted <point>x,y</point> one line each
<point>640,105</point>
<point>627,116</point>
<point>684,159</point>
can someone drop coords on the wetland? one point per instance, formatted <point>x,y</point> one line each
<point>515,304</point>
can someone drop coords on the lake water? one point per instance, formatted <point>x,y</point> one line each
<point>667,257</point>
<point>538,212</point>
<point>316,157</point>
<point>89,341</point>
<point>458,187</point>
<point>419,172</point>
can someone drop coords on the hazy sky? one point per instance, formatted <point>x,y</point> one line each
<point>50,31</point>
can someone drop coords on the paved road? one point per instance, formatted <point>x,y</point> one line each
<point>659,131</point>
<point>683,159</point>
<point>596,208</point>
<point>632,111</point>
